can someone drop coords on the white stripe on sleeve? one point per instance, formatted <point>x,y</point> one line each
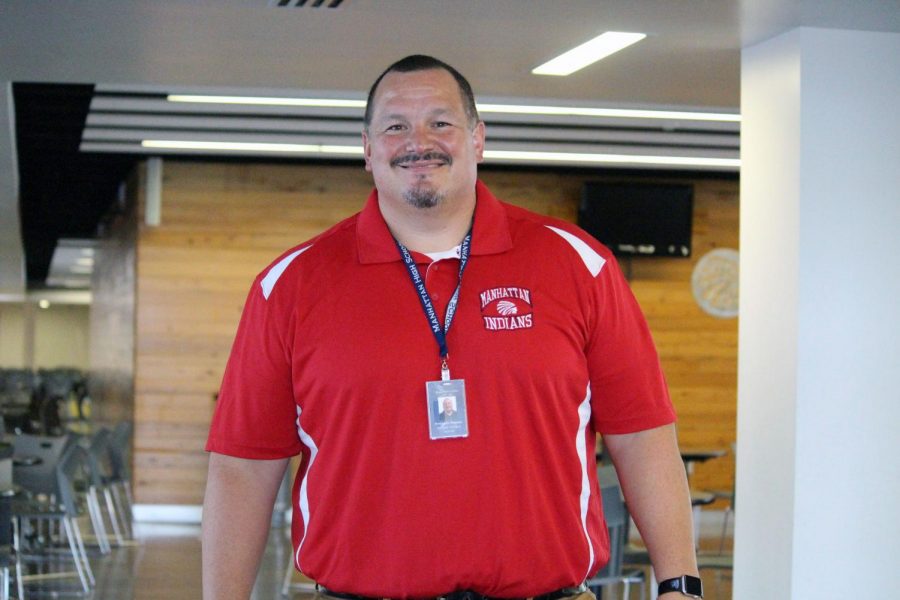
<point>268,282</point>
<point>593,261</point>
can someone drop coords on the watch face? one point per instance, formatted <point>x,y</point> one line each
<point>693,586</point>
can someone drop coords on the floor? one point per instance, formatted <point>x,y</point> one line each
<point>165,565</point>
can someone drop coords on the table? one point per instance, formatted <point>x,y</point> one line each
<point>699,455</point>
<point>690,457</point>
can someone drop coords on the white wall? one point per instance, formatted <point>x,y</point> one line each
<point>12,335</point>
<point>818,472</point>
<point>767,334</point>
<point>60,336</point>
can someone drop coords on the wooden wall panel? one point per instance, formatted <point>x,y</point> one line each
<point>698,352</point>
<point>222,223</point>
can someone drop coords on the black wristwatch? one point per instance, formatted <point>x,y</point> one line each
<point>688,585</point>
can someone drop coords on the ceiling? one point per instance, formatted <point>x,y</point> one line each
<point>691,59</point>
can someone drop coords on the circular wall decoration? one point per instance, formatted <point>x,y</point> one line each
<point>715,283</point>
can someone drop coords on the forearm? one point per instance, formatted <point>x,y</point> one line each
<point>237,511</point>
<point>656,491</point>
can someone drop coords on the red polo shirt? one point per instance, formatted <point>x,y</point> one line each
<point>331,359</point>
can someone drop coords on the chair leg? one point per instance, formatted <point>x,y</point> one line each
<point>74,545</point>
<point>79,541</point>
<point>123,507</point>
<point>20,585</point>
<point>288,574</point>
<point>113,516</point>
<point>96,515</point>
<point>724,530</point>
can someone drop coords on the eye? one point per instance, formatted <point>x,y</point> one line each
<point>395,127</point>
<point>441,124</point>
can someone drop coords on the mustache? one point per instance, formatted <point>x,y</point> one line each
<point>415,156</point>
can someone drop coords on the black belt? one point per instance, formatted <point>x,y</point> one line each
<point>468,595</point>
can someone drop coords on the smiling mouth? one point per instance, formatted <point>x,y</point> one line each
<point>429,160</point>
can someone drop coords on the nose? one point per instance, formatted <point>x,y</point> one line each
<point>419,139</point>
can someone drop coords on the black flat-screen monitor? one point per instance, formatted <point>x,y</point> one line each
<point>639,219</point>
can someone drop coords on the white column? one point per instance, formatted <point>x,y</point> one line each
<point>153,183</point>
<point>818,461</point>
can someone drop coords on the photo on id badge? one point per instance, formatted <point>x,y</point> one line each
<point>447,416</point>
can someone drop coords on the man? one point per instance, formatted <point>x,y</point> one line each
<point>524,320</point>
<point>448,412</point>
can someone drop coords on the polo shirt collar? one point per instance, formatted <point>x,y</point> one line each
<point>490,234</point>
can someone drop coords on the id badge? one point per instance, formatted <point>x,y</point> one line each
<point>447,416</point>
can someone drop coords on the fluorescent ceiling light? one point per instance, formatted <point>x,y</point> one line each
<point>624,113</point>
<point>589,52</point>
<point>584,157</point>
<point>485,108</point>
<point>508,155</point>
<point>253,147</point>
<point>326,102</point>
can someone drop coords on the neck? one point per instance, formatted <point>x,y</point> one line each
<point>429,229</point>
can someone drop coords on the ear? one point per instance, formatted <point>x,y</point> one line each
<point>478,141</point>
<point>367,151</point>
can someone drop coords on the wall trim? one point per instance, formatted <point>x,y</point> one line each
<point>168,513</point>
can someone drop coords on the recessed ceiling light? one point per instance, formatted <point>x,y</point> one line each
<point>589,52</point>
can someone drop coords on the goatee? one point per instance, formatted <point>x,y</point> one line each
<point>423,197</point>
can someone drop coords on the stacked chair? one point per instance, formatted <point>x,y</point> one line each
<point>70,496</point>
<point>47,512</point>
<point>49,401</point>
<point>8,564</point>
<point>107,478</point>
<point>17,390</point>
<point>617,522</point>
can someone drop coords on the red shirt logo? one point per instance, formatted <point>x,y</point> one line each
<point>506,308</point>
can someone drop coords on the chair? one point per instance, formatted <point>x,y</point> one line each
<point>120,481</point>
<point>35,460</point>
<point>728,495</point>
<point>74,469</point>
<point>17,387</point>
<point>9,562</point>
<point>617,520</point>
<point>48,513</point>
<point>18,383</point>
<point>103,478</point>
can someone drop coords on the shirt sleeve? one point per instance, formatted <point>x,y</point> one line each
<point>628,388</point>
<point>256,413</point>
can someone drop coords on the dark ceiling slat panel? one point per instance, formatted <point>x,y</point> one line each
<point>63,192</point>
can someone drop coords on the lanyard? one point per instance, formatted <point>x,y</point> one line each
<point>440,333</point>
